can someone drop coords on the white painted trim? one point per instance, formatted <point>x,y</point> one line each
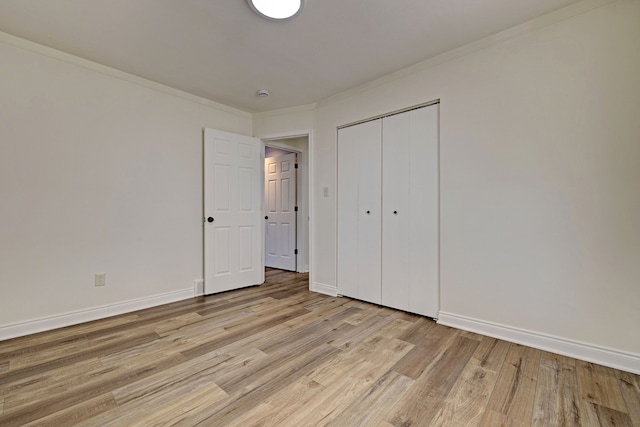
<point>321,288</point>
<point>30,46</point>
<point>81,316</point>
<point>484,43</point>
<point>579,350</point>
<point>285,135</point>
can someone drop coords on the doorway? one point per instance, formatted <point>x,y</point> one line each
<point>233,166</point>
<point>287,230</point>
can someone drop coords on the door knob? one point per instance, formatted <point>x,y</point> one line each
<point>210,219</point>
<point>368,212</point>
<point>395,212</point>
<point>266,217</point>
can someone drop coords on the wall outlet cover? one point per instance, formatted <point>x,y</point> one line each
<point>101,279</point>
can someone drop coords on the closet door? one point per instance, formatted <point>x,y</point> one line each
<point>410,219</point>
<point>359,210</point>
<point>396,211</point>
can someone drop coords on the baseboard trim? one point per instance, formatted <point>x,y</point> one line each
<point>591,353</point>
<point>81,316</point>
<point>321,288</point>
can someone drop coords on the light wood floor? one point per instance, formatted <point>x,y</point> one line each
<point>279,355</point>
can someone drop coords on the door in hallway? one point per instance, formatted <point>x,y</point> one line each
<point>280,211</point>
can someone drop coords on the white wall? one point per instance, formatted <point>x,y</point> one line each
<point>540,167</point>
<point>99,172</point>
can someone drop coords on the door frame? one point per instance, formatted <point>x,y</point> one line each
<point>305,171</point>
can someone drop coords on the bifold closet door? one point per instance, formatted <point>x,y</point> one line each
<point>359,210</point>
<point>410,211</point>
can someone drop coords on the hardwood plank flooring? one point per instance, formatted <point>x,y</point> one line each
<point>279,355</point>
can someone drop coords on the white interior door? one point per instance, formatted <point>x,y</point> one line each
<point>232,211</point>
<point>359,211</point>
<point>280,213</point>
<point>410,223</point>
<point>388,211</point>
<point>396,211</point>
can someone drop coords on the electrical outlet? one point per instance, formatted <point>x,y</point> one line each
<point>326,191</point>
<point>101,279</point>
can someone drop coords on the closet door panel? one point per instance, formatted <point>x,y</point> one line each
<point>396,211</point>
<point>359,210</point>
<point>369,212</point>
<point>423,251</point>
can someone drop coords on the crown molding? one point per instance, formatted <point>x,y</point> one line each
<point>484,43</point>
<point>30,46</point>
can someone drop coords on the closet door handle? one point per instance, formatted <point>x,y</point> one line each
<point>368,212</point>
<point>395,212</point>
<point>210,219</point>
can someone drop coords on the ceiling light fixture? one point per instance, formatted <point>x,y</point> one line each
<point>263,93</point>
<point>277,10</point>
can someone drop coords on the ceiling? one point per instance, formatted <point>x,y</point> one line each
<point>221,50</point>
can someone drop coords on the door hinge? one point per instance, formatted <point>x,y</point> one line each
<point>295,209</point>
<point>296,166</point>
<point>295,252</point>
